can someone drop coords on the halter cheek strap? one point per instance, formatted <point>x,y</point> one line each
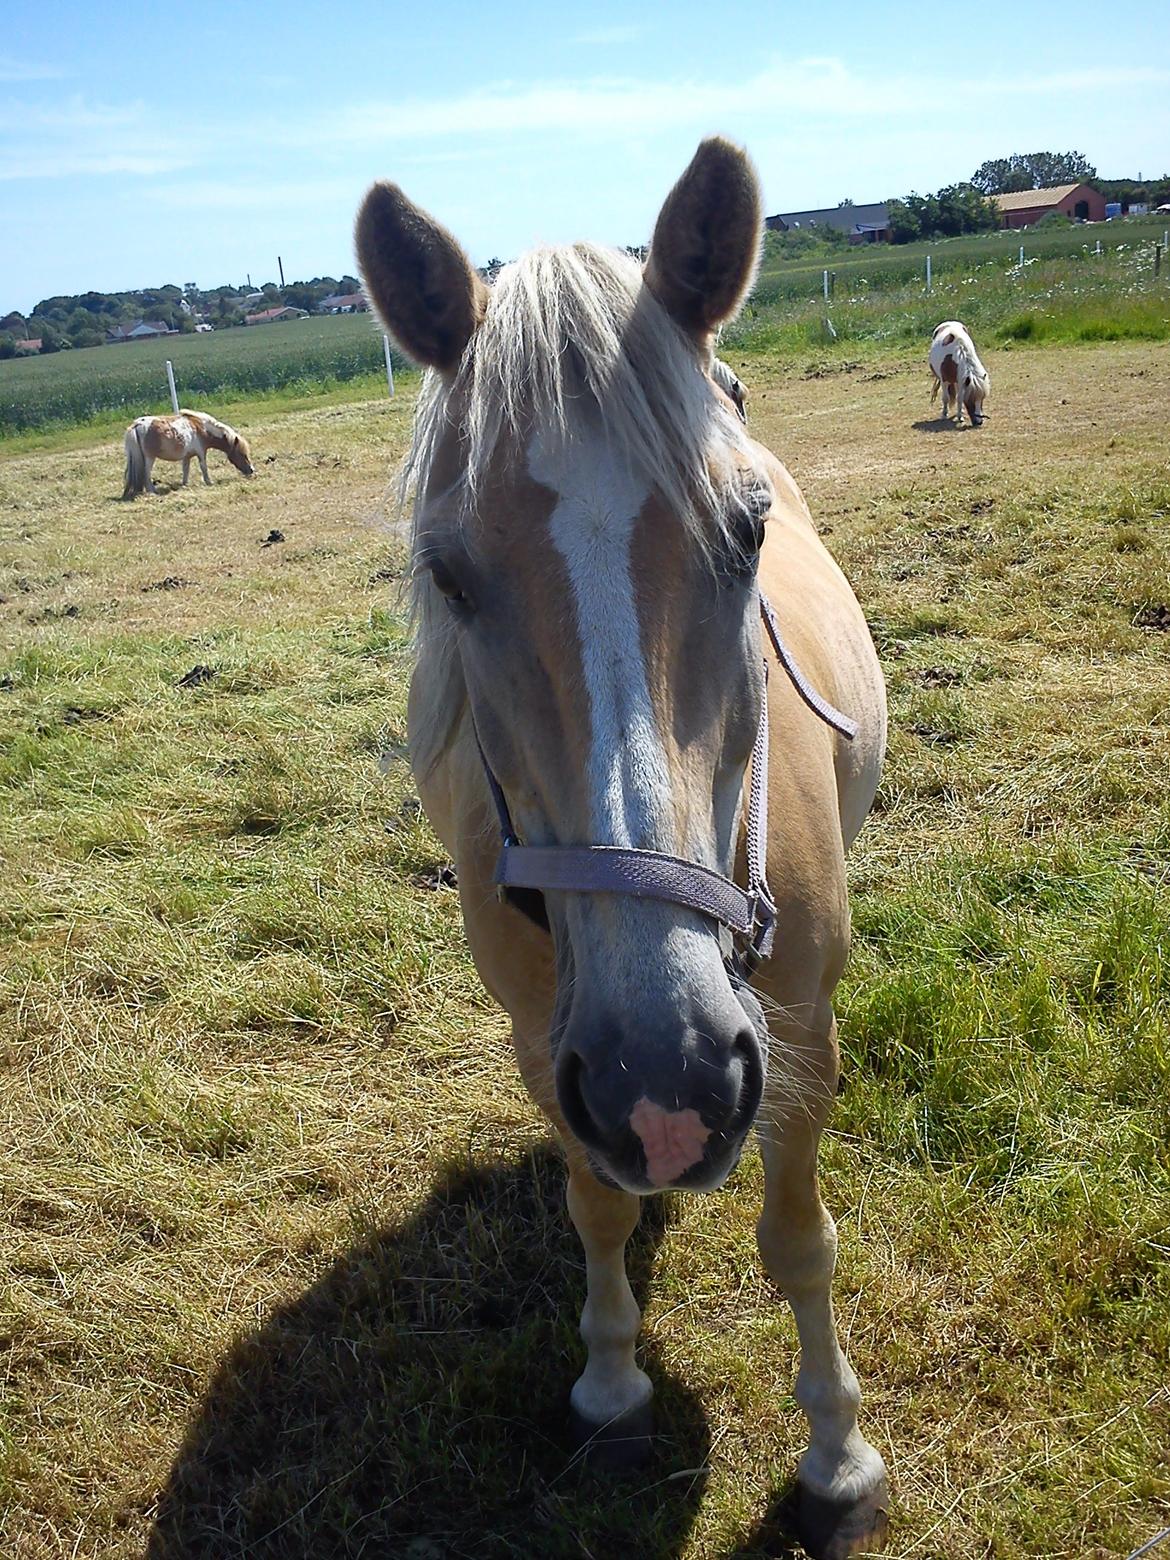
<point>523,872</point>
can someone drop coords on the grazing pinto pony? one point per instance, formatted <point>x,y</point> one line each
<point>603,728</point>
<point>186,436</point>
<point>955,365</point>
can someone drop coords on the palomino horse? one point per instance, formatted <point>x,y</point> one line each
<point>954,364</point>
<point>187,436</point>
<point>592,531</point>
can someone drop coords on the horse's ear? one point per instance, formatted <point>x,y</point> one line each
<point>706,244</point>
<point>418,278</point>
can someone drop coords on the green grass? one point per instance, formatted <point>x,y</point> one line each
<point>893,265</point>
<point>214,369</point>
<point>1053,297</point>
<point>285,1268</point>
<point>1068,294</point>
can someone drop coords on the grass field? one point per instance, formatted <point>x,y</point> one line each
<point>218,368</point>
<point>1065,292</point>
<point>284,1266</point>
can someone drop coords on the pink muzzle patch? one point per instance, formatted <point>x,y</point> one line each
<point>673,1140</point>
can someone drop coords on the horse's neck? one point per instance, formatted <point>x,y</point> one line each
<point>215,435</point>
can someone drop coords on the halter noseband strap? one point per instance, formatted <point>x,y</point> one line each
<point>523,871</point>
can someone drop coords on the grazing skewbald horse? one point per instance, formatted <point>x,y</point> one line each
<point>600,681</point>
<point>954,364</point>
<point>186,436</point>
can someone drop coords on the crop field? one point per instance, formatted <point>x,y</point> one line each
<point>284,1267</point>
<point>213,369</point>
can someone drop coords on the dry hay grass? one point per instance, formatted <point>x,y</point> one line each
<point>283,1261</point>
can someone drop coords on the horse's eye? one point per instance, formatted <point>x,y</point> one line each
<point>749,511</point>
<point>448,586</point>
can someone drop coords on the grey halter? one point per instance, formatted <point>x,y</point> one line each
<point>524,871</point>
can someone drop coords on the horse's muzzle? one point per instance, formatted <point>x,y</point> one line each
<point>664,1110</point>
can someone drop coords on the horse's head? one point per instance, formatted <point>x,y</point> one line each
<point>974,388</point>
<point>238,452</point>
<point>587,525</point>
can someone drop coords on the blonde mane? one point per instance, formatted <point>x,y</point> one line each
<point>571,333</point>
<point>571,337</point>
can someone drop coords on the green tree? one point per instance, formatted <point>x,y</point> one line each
<point>959,208</point>
<point>904,224</point>
<point>303,295</point>
<point>50,337</point>
<point>1032,171</point>
<point>7,345</point>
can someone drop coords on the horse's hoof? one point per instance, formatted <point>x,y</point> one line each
<point>834,1530</point>
<point>622,1444</point>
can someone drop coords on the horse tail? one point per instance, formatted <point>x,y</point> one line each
<point>135,462</point>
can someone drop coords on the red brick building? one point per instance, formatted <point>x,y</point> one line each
<point>1078,202</point>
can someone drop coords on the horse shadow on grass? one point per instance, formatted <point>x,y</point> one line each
<point>940,425</point>
<point>413,1402</point>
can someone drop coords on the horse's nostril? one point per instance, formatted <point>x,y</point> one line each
<point>570,1077</point>
<point>751,1055</point>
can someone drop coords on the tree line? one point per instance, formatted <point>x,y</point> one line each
<point>968,207</point>
<point>86,319</point>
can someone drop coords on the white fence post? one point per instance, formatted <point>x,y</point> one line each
<point>1021,254</point>
<point>928,273</point>
<point>1098,246</point>
<point>389,365</point>
<point>171,384</point>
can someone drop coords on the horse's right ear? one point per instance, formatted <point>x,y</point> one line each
<point>418,278</point>
<point>706,243</point>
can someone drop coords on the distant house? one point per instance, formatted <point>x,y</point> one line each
<point>861,224</point>
<point>1078,202</point>
<point>144,330</point>
<point>33,344</point>
<point>343,303</point>
<point>272,316</point>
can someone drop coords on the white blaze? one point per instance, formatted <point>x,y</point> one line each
<point>592,528</point>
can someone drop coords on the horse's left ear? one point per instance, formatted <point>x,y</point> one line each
<point>706,244</point>
<point>418,278</point>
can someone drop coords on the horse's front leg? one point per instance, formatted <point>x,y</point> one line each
<point>186,468</point>
<point>843,1499</point>
<point>203,468</point>
<point>610,1404</point>
<point>611,1399</point>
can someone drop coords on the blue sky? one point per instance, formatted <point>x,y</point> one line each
<point>147,144</point>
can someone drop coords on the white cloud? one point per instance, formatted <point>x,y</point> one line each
<point>604,36</point>
<point>252,195</point>
<point>72,114</point>
<point>73,164</point>
<point>26,70</point>
<point>813,89</point>
<point>76,137</point>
